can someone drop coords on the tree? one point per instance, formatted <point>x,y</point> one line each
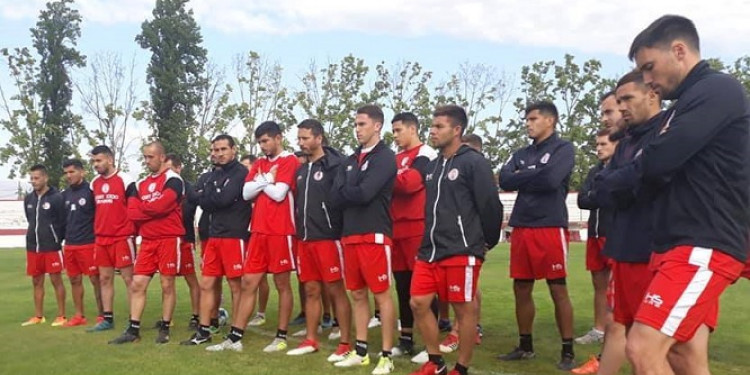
<point>175,76</point>
<point>214,115</point>
<point>406,87</point>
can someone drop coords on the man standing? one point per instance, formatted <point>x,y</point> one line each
<point>225,251</point>
<point>79,239</point>
<point>363,190</point>
<point>319,253</point>
<point>271,248</point>
<point>699,165</point>
<point>539,243</point>
<point>115,245</point>
<point>45,213</point>
<point>463,219</point>
<point>407,211</point>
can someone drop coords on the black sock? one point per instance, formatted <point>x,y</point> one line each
<point>377,314</point>
<point>386,354</point>
<point>134,328</point>
<point>326,317</point>
<point>407,339</point>
<point>109,316</point>
<point>335,322</point>
<point>214,322</point>
<point>235,334</point>
<point>437,359</point>
<point>165,325</point>
<point>463,370</point>
<point>203,331</point>
<point>361,348</point>
<point>281,334</point>
<point>195,317</point>
<point>525,343</point>
<point>567,348</point>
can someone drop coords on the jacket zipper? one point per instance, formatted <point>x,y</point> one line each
<point>434,213</point>
<point>304,207</point>
<point>596,227</point>
<point>328,218</point>
<point>54,234</point>
<point>463,234</point>
<point>36,226</point>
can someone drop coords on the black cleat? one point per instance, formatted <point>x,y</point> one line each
<point>125,338</point>
<point>163,336</point>
<point>566,363</point>
<point>516,355</point>
<point>196,339</point>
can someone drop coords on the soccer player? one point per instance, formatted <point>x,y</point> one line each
<point>271,248</point>
<point>472,140</point>
<point>225,250</point>
<point>319,253</point>
<point>156,209</point>
<point>463,220</point>
<point>407,212</point>
<point>79,239</point>
<point>187,244</point>
<point>363,190</point>
<point>539,242</point>
<point>699,165</point>
<point>45,213</point>
<point>114,233</point>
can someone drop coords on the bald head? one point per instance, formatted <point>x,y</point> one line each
<point>154,155</point>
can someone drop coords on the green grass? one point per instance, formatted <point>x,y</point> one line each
<point>43,349</point>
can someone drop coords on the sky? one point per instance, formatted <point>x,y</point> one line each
<point>440,34</point>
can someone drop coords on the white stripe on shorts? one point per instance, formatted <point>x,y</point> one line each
<point>700,257</point>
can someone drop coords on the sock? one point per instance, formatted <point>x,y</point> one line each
<point>109,316</point>
<point>335,322</point>
<point>386,354</point>
<point>567,348</point>
<point>281,334</point>
<point>463,370</point>
<point>203,331</point>
<point>377,314</point>
<point>525,343</point>
<point>214,322</point>
<point>326,317</point>
<point>235,334</point>
<point>361,348</point>
<point>437,359</point>
<point>135,327</point>
<point>194,317</point>
<point>261,314</point>
<point>165,325</point>
<point>407,339</point>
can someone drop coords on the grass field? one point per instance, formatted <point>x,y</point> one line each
<point>46,350</point>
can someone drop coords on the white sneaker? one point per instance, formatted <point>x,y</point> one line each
<point>339,355</point>
<point>335,334</point>
<point>225,345</point>
<point>303,332</point>
<point>257,320</point>
<point>594,336</point>
<point>374,322</point>
<point>353,359</point>
<point>306,347</point>
<point>276,345</point>
<point>421,358</point>
<point>385,366</point>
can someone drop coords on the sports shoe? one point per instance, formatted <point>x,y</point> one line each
<point>196,339</point>
<point>99,319</point>
<point>160,323</point>
<point>430,368</point>
<point>374,322</point>
<point>257,320</point>
<point>385,366</point>
<point>298,320</point>
<point>590,367</point>
<point>75,321</point>
<point>402,349</point>
<point>594,336</point>
<point>104,325</point>
<point>226,345</point>
<point>444,325</point>
<point>566,363</point>
<point>193,324</point>
<point>516,355</point>
<point>33,321</point>
<point>214,330</point>
<point>303,332</point>
<point>59,321</point>
<point>340,354</point>
<point>421,358</point>
<point>276,345</point>
<point>449,344</point>
<point>125,338</point>
<point>352,359</point>
<point>306,347</point>
<point>163,336</point>
<point>335,334</point>
<point>327,322</point>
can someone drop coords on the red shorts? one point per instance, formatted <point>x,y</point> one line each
<point>453,279</point>
<point>45,262</point>
<point>538,253</point>
<point>595,260</point>
<point>367,265</point>
<point>404,253</point>
<point>79,259</point>
<point>270,254</point>
<point>319,261</point>
<point>187,258</point>
<point>161,255</point>
<point>746,271</point>
<point>224,257</point>
<point>120,254</point>
<point>630,281</point>
<point>204,243</point>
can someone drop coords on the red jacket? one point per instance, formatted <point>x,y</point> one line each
<point>111,222</point>
<point>157,207</point>
<point>407,205</point>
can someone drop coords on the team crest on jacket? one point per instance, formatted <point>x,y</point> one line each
<point>428,177</point>
<point>82,202</point>
<point>348,168</point>
<point>405,161</point>
<point>453,174</point>
<point>545,158</point>
<point>45,205</point>
<point>318,175</point>
<point>365,165</point>
<point>151,187</point>
<point>105,188</point>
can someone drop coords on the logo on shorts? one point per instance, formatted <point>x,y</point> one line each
<point>453,174</point>
<point>237,267</point>
<point>557,267</point>
<point>365,165</point>
<point>545,158</point>
<point>55,264</point>
<point>126,258</point>
<point>454,289</point>
<point>318,175</point>
<point>46,205</point>
<point>171,265</point>
<point>283,262</point>
<point>151,187</point>
<point>334,270</point>
<point>105,188</point>
<point>653,300</point>
<point>405,161</point>
<point>82,202</point>
<point>382,277</point>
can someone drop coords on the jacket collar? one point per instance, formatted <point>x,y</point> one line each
<point>699,71</point>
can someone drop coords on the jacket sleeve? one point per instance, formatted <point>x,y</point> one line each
<point>222,193</point>
<point>255,182</point>
<point>61,220</point>
<point>587,195</point>
<point>381,171</point>
<point>512,177</point>
<point>487,201</point>
<point>169,199</point>
<point>551,175</point>
<point>409,180</point>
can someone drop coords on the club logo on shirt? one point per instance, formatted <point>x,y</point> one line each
<point>348,168</point>
<point>151,187</point>
<point>405,161</point>
<point>105,188</point>
<point>545,158</point>
<point>453,174</point>
<point>318,175</point>
<point>365,165</point>
<point>428,177</point>
<point>45,205</point>
<point>82,202</point>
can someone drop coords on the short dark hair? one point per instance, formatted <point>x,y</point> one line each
<point>372,111</point>
<point>665,30</point>
<point>156,143</point>
<point>544,107</point>
<point>251,158</point>
<point>102,149</point>
<point>604,132</point>
<point>634,76</point>
<point>606,95</point>
<point>75,163</point>
<point>406,118</point>
<point>473,140</point>
<point>38,167</point>
<point>174,158</point>
<point>269,128</point>
<point>224,137</point>
<point>456,114</point>
<point>313,125</point>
